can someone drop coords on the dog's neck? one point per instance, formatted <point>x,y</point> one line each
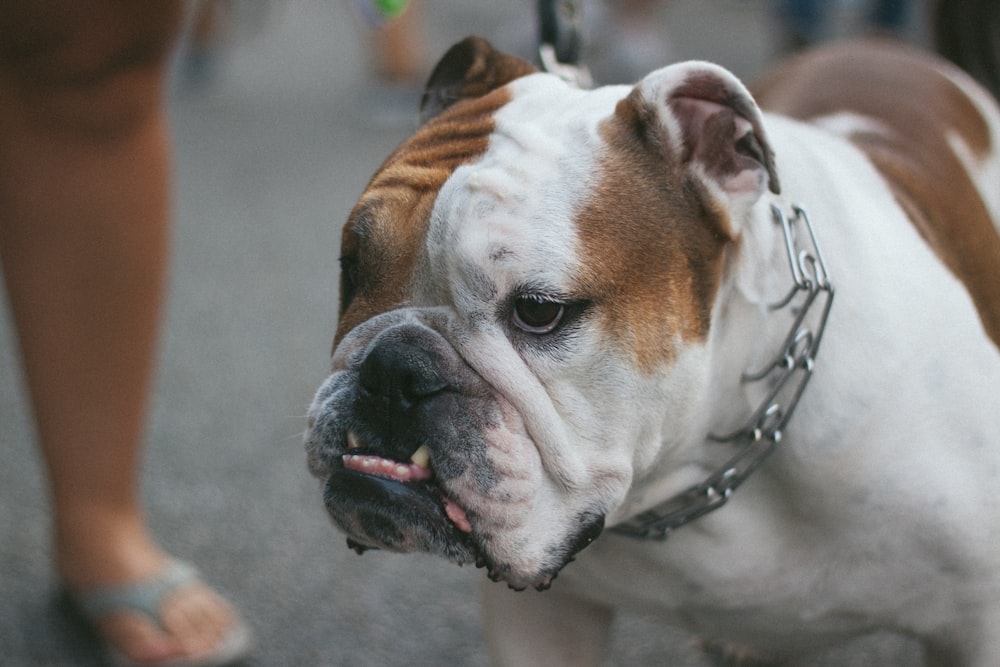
<point>784,377</point>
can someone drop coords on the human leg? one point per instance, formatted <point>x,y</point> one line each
<point>84,212</point>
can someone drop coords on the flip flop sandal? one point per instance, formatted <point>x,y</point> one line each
<point>146,597</point>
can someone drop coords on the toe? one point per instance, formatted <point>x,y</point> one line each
<point>137,638</point>
<point>195,622</point>
<point>197,619</point>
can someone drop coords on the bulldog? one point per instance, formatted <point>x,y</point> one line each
<point>574,322</point>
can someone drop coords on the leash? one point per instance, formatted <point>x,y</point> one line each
<point>559,41</point>
<point>790,372</point>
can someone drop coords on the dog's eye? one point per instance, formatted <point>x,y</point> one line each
<point>536,315</point>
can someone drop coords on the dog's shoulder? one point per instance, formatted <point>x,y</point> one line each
<point>932,133</point>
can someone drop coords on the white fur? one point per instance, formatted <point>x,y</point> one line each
<point>878,511</point>
<point>506,222</point>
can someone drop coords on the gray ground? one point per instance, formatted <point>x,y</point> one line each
<point>271,154</point>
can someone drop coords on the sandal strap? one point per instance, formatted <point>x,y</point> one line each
<point>145,597</point>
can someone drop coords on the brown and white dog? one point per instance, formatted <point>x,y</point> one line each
<point>551,298</point>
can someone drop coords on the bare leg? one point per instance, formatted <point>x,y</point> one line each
<point>84,211</point>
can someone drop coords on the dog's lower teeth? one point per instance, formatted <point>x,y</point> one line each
<point>387,468</point>
<point>422,457</point>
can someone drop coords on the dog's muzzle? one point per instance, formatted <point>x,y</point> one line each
<point>400,435</point>
<point>375,432</point>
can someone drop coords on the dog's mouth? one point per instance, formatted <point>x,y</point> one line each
<point>417,469</point>
<point>397,505</point>
<point>402,506</point>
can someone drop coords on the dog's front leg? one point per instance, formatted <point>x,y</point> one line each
<point>551,628</point>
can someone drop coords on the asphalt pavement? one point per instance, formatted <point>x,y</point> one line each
<point>273,143</point>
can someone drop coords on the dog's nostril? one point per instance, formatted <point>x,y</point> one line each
<point>402,373</point>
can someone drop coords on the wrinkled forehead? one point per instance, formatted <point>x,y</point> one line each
<point>480,198</point>
<point>515,205</point>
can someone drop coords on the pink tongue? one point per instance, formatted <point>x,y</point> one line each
<point>457,515</point>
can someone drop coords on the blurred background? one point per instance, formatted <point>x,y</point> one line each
<point>281,112</point>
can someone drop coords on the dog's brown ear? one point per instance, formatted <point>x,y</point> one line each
<point>470,68</point>
<point>707,122</point>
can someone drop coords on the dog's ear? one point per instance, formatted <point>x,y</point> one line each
<point>470,68</point>
<point>705,121</point>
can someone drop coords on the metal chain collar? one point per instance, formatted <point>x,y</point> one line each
<point>788,375</point>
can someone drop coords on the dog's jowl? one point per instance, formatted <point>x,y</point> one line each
<point>574,321</point>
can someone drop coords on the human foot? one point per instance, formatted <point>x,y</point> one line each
<point>173,619</point>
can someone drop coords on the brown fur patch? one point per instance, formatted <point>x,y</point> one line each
<point>381,241</point>
<point>651,252</point>
<point>903,90</point>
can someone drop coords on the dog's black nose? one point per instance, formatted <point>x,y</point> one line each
<point>400,374</point>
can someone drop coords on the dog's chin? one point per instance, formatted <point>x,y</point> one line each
<point>380,513</point>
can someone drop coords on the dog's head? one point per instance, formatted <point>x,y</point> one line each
<point>527,286</point>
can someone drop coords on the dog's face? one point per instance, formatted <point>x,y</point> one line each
<point>527,286</point>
